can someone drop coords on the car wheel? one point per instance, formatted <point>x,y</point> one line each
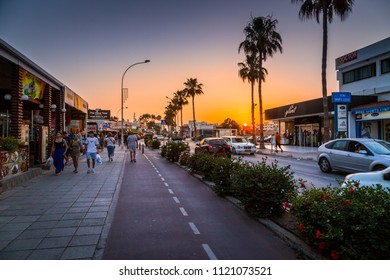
<point>379,167</point>
<point>324,165</point>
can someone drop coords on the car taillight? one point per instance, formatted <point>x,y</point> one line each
<point>228,146</point>
<point>209,147</point>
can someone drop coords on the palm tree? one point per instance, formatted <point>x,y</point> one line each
<point>181,100</point>
<point>261,40</point>
<point>313,9</point>
<point>192,88</point>
<point>249,71</point>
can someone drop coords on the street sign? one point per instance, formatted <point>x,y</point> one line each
<point>341,97</point>
<point>163,122</point>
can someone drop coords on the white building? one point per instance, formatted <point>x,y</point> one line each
<point>366,72</point>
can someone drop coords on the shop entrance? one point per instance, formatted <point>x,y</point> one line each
<point>307,135</point>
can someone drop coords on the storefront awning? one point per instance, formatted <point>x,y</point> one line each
<point>376,107</point>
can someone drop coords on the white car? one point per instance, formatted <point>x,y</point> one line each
<point>159,138</point>
<point>371,178</point>
<point>240,145</point>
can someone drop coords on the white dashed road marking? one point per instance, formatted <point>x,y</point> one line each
<point>176,199</point>
<point>209,252</point>
<point>183,211</point>
<point>166,184</point>
<point>170,191</point>
<point>194,228</point>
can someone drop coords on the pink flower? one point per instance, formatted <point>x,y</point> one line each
<point>326,195</point>
<point>285,204</point>
<point>322,245</point>
<point>300,227</point>
<point>334,255</point>
<point>318,233</point>
<point>351,191</point>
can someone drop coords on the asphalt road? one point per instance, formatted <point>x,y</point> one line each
<point>165,213</point>
<point>307,170</point>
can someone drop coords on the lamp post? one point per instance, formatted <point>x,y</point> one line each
<point>119,111</point>
<point>123,76</point>
<point>7,98</point>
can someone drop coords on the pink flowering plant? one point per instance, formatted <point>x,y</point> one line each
<point>349,222</point>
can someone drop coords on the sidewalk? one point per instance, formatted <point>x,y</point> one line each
<point>61,217</point>
<point>306,153</point>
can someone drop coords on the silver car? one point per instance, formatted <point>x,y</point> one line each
<point>354,155</point>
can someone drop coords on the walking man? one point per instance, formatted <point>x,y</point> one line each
<point>278,140</point>
<point>273,143</point>
<point>132,142</point>
<point>92,144</point>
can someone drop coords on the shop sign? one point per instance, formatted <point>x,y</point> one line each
<point>99,114</point>
<point>291,110</point>
<point>33,87</point>
<point>69,96</point>
<point>374,116</point>
<point>346,58</point>
<point>341,97</point>
<point>342,119</point>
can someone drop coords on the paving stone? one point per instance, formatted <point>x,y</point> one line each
<point>82,204</point>
<point>23,244</point>
<point>89,230</point>
<point>99,208</point>
<point>57,210</point>
<point>47,254</point>
<point>51,217</point>
<point>96,215</point>
<point>15,226</point>
<point>93,222</point>
<point>43,225</point>
<point>55,242</point>
<point>22,219</point>
<point>79,252</point>
<point>78,210</point>
<point>15,255</point>
<point>34,233</point>
<point>68,223</point>
<point>62,232</point>
<point>6,219</point>
<point>9,235</point>
<point>73,216</point>
<point>4,243</point>
<point>82,240</point>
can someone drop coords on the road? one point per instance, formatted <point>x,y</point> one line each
<point>307,170</point>
<point>165,213</point>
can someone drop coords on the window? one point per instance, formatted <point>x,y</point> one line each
<point>361,73</point>
<point>338,145</point>
<point>385,66</point>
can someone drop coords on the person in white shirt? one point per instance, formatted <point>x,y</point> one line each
<point>132,142</point>
<point>273,143</point>
<point>92,146</point>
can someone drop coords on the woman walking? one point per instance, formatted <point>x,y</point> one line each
<point>110,143</point>
<point>58,151</point>
<point>75,150</point>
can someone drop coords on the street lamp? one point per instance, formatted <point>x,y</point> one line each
<point>119,111</point>
<point>146,61</point>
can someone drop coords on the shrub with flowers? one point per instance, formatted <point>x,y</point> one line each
<point>173,150</point>
<point>351,222</point>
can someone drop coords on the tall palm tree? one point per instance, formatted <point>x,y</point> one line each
<point>192,88</point>
<point>249,71</point>
<point>181,100</point>
<point>313,9</point>
<point>261,40</point>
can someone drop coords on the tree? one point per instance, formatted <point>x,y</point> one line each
<point>249,71</point>
<point>181,100</point>
<point>313,9</point>
<point>229,123</point>
<point>192,88</point>
<point>261,40</point>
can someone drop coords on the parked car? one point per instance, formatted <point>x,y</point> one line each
<point>371,178</point>
<point>354,155</point>
<point>240,145</point>
<point>214,146</point>
<point>159,138</point>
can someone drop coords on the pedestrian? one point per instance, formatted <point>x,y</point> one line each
<point>119,137</point>
<point>76,149</point>
<point>101,141</point>
<point>273,143</point>
<point>92,146</point>
<point>66,137</point>
<point>278,140</point>
<point>110,143</point>
<point>132,142</point>
<point>58,152</point>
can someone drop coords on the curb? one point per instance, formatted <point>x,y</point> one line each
<point>291,239</point>
<point>288,155</point>
<point>19,179</point>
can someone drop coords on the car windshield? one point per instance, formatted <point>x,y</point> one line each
<point>216,142</point>
<point>238,140</point>
<point>380,147</point>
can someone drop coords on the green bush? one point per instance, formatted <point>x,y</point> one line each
<point>174,150</point>
<point>184,156</point>
<point>221,172</point>
<point>164,150</point>
<point>156,144</point>
<point>351,222</point>
<point>10,144</point>
<point>263,189</point>
<point>202,164</point>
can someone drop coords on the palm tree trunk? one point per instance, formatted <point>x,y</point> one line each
<point>193,115</point>
<point>261,105</point>
<point>326,136</point>
<point>253,113</point>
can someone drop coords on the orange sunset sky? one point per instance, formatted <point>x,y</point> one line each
<point>88,44</point>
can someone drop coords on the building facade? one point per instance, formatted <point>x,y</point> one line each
<point>366,72</point>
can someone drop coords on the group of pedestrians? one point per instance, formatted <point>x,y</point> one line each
<point>72,146</point>
<point>275,142</point>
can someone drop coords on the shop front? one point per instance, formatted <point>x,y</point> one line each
<point>76,109</point>
<point>302,124</point>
